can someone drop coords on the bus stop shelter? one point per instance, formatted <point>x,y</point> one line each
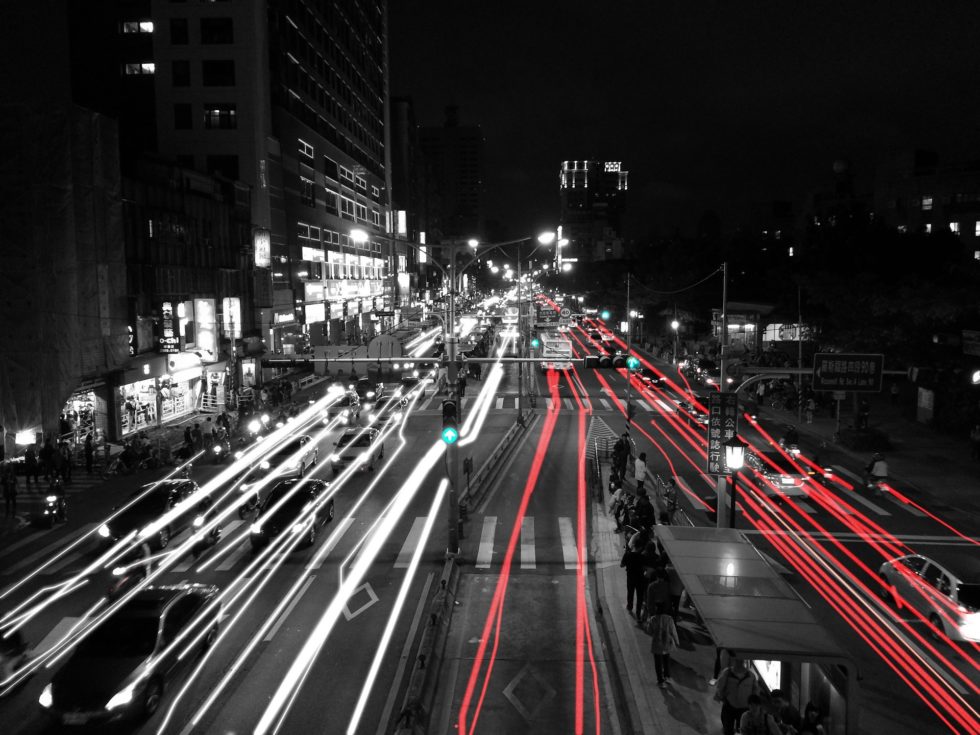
<point>749,609</point>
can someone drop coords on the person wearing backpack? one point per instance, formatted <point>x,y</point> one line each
<point>664,640</point>
<point>756,721</point>
<point>733,689</point>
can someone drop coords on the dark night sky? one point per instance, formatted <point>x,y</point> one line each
<point>709,105</point>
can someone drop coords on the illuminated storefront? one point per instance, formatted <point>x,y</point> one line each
<point>155,390</point>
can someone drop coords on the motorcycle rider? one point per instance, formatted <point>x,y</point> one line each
<point>877,471</point>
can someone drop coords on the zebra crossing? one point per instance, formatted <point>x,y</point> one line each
<point>547,403</point>
<point>233,552</point>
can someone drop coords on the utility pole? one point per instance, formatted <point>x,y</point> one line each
<point>724,327</point>
<point>452,497</point>
<point>520,341</point>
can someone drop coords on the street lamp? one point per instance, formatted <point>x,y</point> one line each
<point>473,242</point>
<point>566,266</point>
<point>734,458</point>
<point>675,325</point>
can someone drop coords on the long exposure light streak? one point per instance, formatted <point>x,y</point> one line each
<point>293,677</point>
<point>393,616</point>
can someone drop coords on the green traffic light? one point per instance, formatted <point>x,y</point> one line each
<point>605,314</point>
<point>450,435</point>
<point>632,363</point>
<point>535,343</point>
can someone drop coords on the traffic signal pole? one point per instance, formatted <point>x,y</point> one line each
<point>452,497</point>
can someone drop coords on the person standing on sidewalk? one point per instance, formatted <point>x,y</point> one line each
<point>733,689</point>
<point>640,471</point>
<point>811,406</point>
<point>636,583</point>
<point>89,453</point>
<point>31,466</point>
<point>757,721</point>
<point>664,641</point>
<point>9,480</point>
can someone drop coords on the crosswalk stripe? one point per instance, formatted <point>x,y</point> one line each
<point>605,404</point>
<point>905,506</point>
<point>411,542</point>
<point>335,536</point>
<point>234,557</point>
<point>568,403</point>
<point>500,403</point>
<point>189,561</point>
<point>646,406</point>
<point>568,548</point>
<point>527,543</point>
<point>50,549</point>
<point>485,553</point>
<point>24,541</point>
<point>666,406</point>
<point>864,501</point>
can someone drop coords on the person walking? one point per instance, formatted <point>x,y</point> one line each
<point>66,461</point>
<point>640,471</point>
<point>621,454</point>
<point>89,453</point>
<point>975,441</point>
<point>811,406</point>
<point>756,721</point>
<point>657,593</point>
<point>9,481</point>
<point>733,689</point>
<point>31,466</point>
<point>664,640</point>
<point>636,583</point>
<point>197,438</point>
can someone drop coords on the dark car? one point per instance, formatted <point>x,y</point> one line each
<point>122,667</point>
<point>692,414</point>
<point>283,510</point>
<point>153,502</point>
<point>370,392</point>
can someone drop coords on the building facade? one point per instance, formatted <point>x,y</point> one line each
<point>593,202</point>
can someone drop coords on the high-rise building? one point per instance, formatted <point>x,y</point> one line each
<point>593,201</point>
<point>454,179</point>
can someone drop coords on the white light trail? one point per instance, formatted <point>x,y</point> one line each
<point>296,673</point>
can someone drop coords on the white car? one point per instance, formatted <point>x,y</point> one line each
<point>294,457</point>
<point>357,446</point>
<point>949,599</point>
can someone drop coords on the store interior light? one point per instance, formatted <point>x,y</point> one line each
<point>24,438</point>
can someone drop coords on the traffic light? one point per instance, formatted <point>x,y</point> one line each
<point>535,343</point>
<point>633,362</point>
<point>604,314</point>
<point>450,429</point>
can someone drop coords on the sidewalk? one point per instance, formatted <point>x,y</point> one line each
<point>933,469</point>
<point>686,706</point>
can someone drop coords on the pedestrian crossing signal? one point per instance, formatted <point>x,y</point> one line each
<point>450,428</point>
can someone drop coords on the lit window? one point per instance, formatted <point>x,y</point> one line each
<point>928,229</point>
<point>361,211</point>
<point>306,192</point>
<point>220,117</point>
<point>791,251</point>
<point>138,26</point>
<point>360,183</point>
<point>926,204</point>
<point>376,217</point>
<point>347,207</point>
<point>305,149</point>
<point>954,227</point>
<point>903,229</point>
<point>331,200</point>
<point>976,254</point>
<point>346,174</point>
<point>375,192</point>
<point>976,229</point>
<point>140,69</point>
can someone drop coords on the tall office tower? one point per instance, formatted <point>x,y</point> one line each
<point>593,201</point>
<point>454,178</point>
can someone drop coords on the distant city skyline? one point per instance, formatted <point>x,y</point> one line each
<point>715,108</point>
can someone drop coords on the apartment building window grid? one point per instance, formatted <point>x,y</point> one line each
<point>306,191</point>
<point>222,116</point>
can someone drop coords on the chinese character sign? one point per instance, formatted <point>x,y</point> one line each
<point>722,426</point>
<point>847,372</point>
<point>169,340</point>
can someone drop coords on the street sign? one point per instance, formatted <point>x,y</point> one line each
<point>384,313</point>
<point>566,312</point>
<point>722,426</point>
<point>856,372</point>
<point>545,315</point>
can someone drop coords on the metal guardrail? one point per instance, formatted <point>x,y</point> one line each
<point>481,479</point>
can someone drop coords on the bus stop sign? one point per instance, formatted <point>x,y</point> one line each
<point>856,372</point>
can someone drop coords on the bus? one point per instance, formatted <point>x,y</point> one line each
<point>556,349</point>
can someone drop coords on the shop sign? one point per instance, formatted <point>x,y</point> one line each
<point>315,313</point>
<point>262,240</point>
<point>313,291</point>
<point>283,316</point>
<point>336,310</point>
<point>168,342</point>
<point>206,337</point>
<point>722,426</point>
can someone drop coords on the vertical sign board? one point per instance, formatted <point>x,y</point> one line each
<point>168,342</point>
<point>722,426</point>
<point>835,371</point>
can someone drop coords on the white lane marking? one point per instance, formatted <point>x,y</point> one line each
<point>551,404</point>
<point>49,549</point>
<point>485,554</point>
<point>289,608</point>
<point>234,557</point>
<point>666,407</point>
<point>334,539</point>
<point>190,561</point>
<point>807,508</point>
<point>56,634</point>
<point>568,403</point>
<point>411,541</point>
<point>500,403</point>
<point>646,406</point>
<point>846,472</point>
<point>24,541</point>
<point>605,404</point>
<point>528,560</point>
<point>67,560</point>
<point>568,547</point>
<point>905,506</point>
